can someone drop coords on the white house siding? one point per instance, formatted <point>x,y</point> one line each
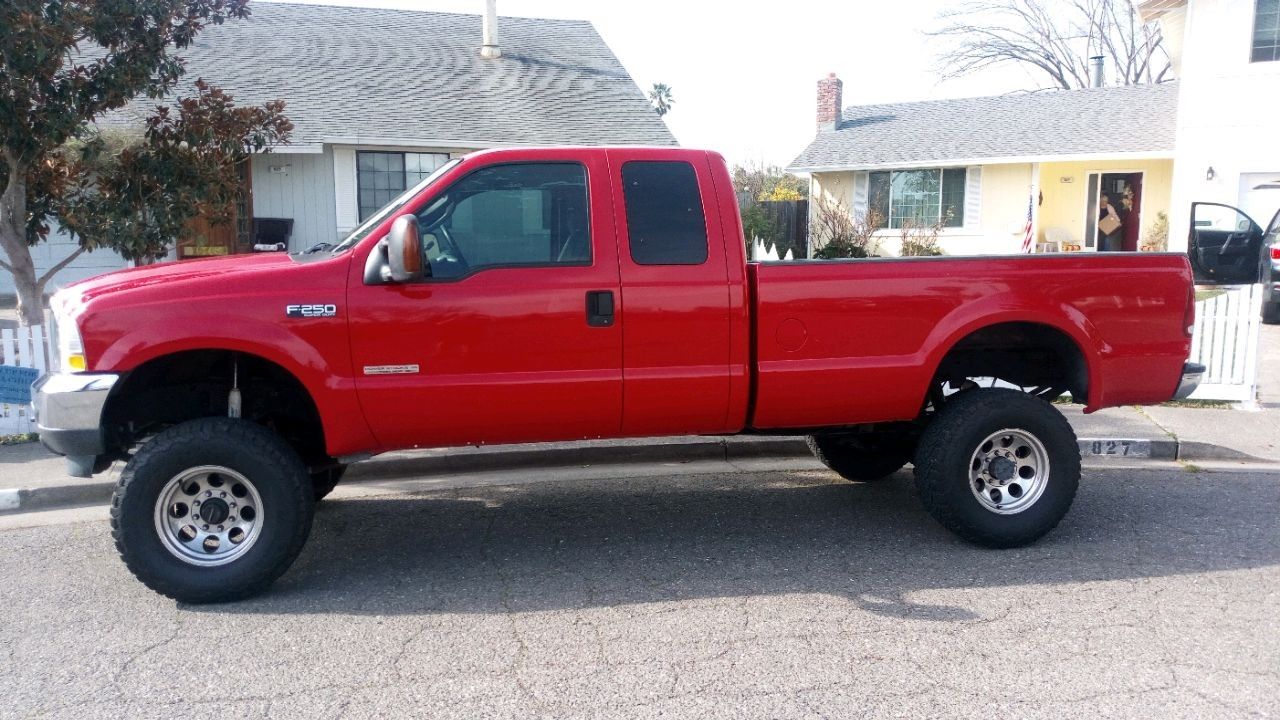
<point>300,188</point>
<point>58,246</point>
<point>1227,110</point>
<point>995,216</point>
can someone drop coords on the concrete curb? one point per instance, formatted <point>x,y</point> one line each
<point>404,465</point>
<point>1142,449</point>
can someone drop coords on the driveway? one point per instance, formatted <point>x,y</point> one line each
<point>785,593</point>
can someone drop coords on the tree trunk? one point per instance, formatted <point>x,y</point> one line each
<point>13,239</point>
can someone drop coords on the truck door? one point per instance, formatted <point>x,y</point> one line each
<point>1225,246</point>
<point>513,336</point>
<point>675,294</point>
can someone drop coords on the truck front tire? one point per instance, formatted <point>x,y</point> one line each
<point>212,510</point>
<point>862,457</point>
<point>998,467</point>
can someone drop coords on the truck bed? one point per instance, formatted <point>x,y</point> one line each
<point>852,342</point>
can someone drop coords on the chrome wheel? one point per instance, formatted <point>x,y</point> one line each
<point>208,515</point>
<point>1009,471</point>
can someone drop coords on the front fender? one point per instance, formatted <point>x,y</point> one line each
<point>313,351</point>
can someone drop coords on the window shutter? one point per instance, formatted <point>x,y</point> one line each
<point>344,189</point>
<point>859,194</point>
<point>973,198</point>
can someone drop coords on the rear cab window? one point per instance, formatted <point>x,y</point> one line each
<point>665,220</point>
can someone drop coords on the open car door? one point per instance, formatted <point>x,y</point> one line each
<point>1225,246</point>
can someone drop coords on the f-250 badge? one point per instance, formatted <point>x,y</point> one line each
<point>312,310</point>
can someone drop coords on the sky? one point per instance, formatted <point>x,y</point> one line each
<point>744,75</point>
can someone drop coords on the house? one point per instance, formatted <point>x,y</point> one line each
<point>984,166</point>
<point>379,99</point>
<point>1226,54</point>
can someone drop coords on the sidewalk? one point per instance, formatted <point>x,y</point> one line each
<point>31,478</point>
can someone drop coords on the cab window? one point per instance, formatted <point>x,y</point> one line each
<point>665,222</point>
<point>527,214</point>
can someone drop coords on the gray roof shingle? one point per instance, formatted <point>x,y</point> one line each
<point>1096,121</point>
<point>417,77</point>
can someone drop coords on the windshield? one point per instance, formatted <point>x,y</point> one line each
<point>390,208</point>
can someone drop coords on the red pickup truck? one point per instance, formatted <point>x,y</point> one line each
<point>554,294</point>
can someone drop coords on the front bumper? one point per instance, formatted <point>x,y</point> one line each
<point>67,408</point>
<point>1192,374</point>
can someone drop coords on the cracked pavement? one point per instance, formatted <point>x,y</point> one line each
<point>784,592</point>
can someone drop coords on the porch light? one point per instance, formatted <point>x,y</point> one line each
<point>1211,174</point>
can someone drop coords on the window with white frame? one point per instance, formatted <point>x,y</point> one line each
<point>1266,31</point>
<point>919,197</point>
<point>382,176</point>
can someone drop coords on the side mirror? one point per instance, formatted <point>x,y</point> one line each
<point>404,250</point>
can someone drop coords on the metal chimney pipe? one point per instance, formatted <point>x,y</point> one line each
<point>1096,65</point>
<point>490,48</point>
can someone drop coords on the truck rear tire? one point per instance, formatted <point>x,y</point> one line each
<point>212,510</point>
<point>864,457</point>
<point>998,467</point>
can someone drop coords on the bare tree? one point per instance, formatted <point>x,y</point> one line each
<point>1055,37</point>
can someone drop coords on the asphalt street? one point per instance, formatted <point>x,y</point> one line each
<point>779,593</point>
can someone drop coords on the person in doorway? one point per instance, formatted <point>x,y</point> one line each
<point>1109,225</point>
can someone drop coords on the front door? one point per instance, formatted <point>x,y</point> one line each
<point>1113,216</point>
<point>1225,246</point>
<point>214,237</point>
<point>512,338</point>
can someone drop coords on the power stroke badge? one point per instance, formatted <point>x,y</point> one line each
<point>310,310</point>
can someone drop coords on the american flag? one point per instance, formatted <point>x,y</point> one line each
<point>1028,236</point>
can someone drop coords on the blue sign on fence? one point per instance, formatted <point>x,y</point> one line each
<point>15,384</point>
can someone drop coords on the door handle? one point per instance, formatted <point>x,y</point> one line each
<point>600,308</point>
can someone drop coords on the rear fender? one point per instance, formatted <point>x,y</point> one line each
<point>997,310</point>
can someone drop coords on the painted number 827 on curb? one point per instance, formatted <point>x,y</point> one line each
<point>1117,448</point>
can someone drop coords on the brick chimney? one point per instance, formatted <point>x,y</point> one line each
<point>830,102</point>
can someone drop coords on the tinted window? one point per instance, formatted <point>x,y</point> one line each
<point>664,213</point>
<point>509,215</point>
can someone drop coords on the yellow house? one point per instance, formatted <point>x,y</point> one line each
<point>1052,171</point>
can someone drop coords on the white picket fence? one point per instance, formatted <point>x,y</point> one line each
<point>1225,340</point>
<point>23,347</point>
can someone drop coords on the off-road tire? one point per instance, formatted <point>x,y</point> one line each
<point>275,470</point>
<point>946,451</point>
<point>1271,313</point>
<point>324,481</point>
<point>861,458</point>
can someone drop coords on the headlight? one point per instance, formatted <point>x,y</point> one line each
<point>66,335</point>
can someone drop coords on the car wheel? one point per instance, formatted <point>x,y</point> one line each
<point>862,457</point>
<point>1271,313</point>
<point>998,467</point>
<point>212,510</point>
